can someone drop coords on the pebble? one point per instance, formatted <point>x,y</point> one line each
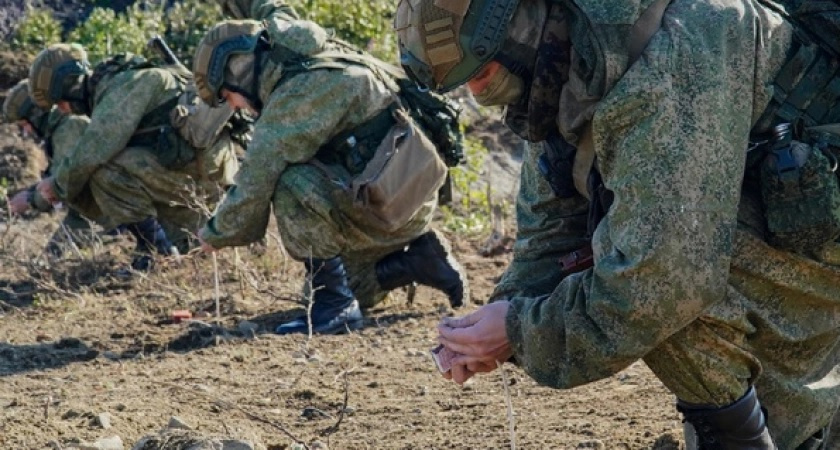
<point>102,420</point>
<point>178,423</point>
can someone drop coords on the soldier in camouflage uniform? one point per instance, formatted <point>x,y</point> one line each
<point>132,178</point>
<point>59,132</point>
<point>293,166</point>
<point>683,276</point>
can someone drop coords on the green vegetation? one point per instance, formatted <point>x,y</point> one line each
<point>365,24</point>
<point>471,211</point>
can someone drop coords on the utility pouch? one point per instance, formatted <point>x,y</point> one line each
<point>170,150</point>
<point>404,173</point>
<point>800,191</point>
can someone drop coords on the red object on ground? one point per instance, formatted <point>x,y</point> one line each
<point>181,314</point>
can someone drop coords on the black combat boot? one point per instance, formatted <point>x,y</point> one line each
<point>738,426</point>
<point>150,238</point>
<point>334,308</point>
<point>426,261</point>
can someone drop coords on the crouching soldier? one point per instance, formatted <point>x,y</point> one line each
<point>139,166</point>
<point>315,158</point>
<point>58,132</point>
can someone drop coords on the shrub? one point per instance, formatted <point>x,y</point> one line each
<point>366,24</point>
<point>471,212</point>
<point>105,33</point>
<point>37,30</point>
<point>186,24</point>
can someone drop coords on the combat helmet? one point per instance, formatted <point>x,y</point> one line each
<point>444,44</point>
<point>226,39</point>
<point>56,71</point>
<point>18,105</point>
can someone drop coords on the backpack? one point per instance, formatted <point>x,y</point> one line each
<point>178,127</point>
<point>436,115</point>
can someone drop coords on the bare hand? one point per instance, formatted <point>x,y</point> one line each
<point>19,203</point>
<point>480,338</point>
<point>45,188</point>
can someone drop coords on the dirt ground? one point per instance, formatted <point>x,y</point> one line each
<point>77,342</point>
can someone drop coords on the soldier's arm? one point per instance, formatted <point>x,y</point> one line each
<point>662,253</point>
<point>115,118</point>
<point>301,115</point>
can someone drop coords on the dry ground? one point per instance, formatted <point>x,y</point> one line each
<point>77,342</point>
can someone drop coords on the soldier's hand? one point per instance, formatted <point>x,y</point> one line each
<point>480,338</point>
<point>19,203</point>
<point>45,188</point>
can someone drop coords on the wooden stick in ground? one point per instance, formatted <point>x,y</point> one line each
<point>509,406</point>
<point>216,293</point>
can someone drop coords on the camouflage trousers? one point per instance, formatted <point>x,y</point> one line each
<point>134,186</point>
<point>317,218</point>
<point>778,327</point>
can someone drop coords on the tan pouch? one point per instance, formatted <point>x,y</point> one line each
<point>196,122</point>
<point>404,173</point>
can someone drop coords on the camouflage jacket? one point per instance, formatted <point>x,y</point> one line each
<point>60,133</point>
<point>120,102</point>
<point>669,134</point>
<point>299,116</point>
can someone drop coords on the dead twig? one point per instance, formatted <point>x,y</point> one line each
<point>334,428</point>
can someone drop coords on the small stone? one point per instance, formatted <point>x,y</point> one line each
<point>68,342</point>
<point>596,444</point>
<point>70,414</point>
<point>318,445</point>
<point>178,423</point>
<point>349,410</point>
<point>113,356</point>
<point>102,421</point>
<point>120,407</point>
<point>109,443</point>
<point>313,413</point>
<point>264,402</point>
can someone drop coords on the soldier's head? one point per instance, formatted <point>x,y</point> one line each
<point>57,77</point>
<point>488,44</point>
<point>226,64</point>
<point>236,9</point>
<point>20,109</point>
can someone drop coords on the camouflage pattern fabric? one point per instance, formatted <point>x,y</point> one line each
<point>548,227</point>
<point>678,281</point>
<point>313,207</point>
<point>129,184</point>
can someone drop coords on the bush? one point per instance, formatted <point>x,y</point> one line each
<point>37,30</point>
<point>105,33</point>
<point>471,212</point>
<point>187,22</point>
<point>366,24</point>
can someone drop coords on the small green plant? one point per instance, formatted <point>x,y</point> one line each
<point>471,211</point>
<point>37,30</point>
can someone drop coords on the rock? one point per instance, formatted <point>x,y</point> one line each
<point>178,423</point>
<point>313,413</point>
<point>596,444</point>
<point>109,443</point>
<point>70,414</point>
<point>318,445</point>
<point>190,440</point>
<point>102,421</point>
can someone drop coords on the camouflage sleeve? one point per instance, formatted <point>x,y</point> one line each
<point>547,227</point>
<point>116,116</point>
<point>67,134</point>
<point>272,9</point>
<point>670,139</point>
<point>299,117</point>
